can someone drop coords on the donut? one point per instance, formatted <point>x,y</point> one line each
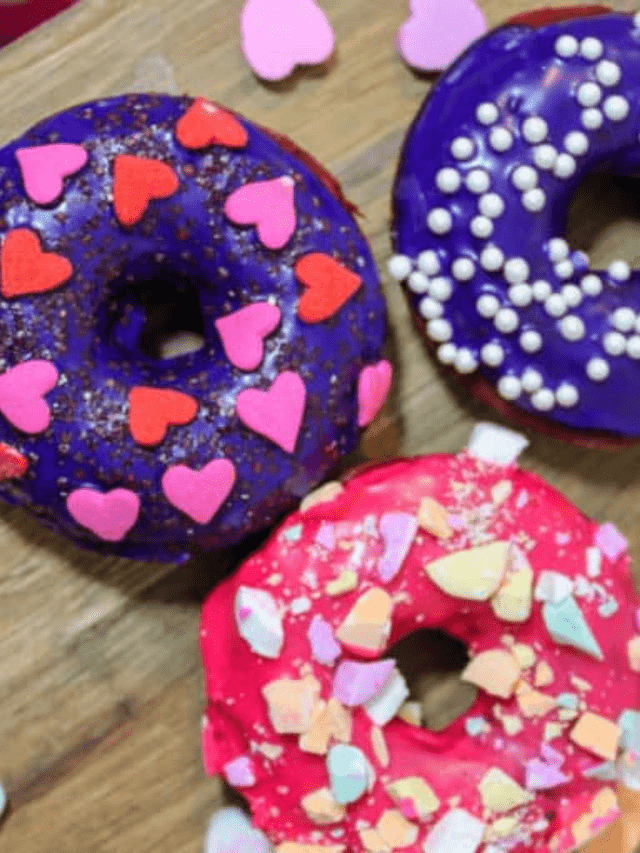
<point>309,717</point>
<point>486,176</point>
<point>138,216</point>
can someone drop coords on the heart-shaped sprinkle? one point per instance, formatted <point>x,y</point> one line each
<point>206,124</point>
<point>243,332</point>
<point>153,410</point>
<point>44,168</point>
<point>199,494</point>
<point>25,268</point>
<point>22,390</point>
<point>277,413</point>
<point>374,384</point>
<point>277,35</point>
<point>110,516</point>
<point>270,206</point>
<point>136,182</point>
<point>437,31</point>
<point>12,464</point>
<point>329,286</point>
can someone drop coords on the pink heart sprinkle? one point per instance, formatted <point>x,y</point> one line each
<point>374,385</point>
<point>109,515</point>
<point>269,205</point>
<point>22,390</point>
<point>277,413</point>
<point>437,31</point>
<point>243,333</point>
<point>45,167</point>
<point>199,494</point>
<point>277,35</point>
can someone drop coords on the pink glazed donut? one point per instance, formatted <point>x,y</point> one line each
<point>308,716</point>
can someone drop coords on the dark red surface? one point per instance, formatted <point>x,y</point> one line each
<point>16,19</point>
<point>541,17</point>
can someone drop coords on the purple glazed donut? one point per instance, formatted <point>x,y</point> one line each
<point>147,213</point>
<point>481,200</point>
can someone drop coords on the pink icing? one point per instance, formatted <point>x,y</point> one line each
<point>438,31</point>
<point>277,413</point>
<point>270,206</point>
<point>110,515</point>
<point>44,168</point>
<point>243,332</point>
<point>374,385</point>
<point>199,494</point>
<point>22,390</point>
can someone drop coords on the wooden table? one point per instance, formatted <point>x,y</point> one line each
<point>100,683</point>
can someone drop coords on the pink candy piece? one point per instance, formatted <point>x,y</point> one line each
<point>240,773</point>
<point>22,390</point>
<point>110,516</point>
<point>199,494</point>
<point>355,683</point>
<point>610,541</point>
<point>277,35</point>
<point>374,385</point>
<point>270,206</point>
<point>542,777</point>
<point>324,646</point>
<point>45,167</point>
<point>398,530</point>
<point>276,413</point>
<point>437,31</point>
<point>243,333</point>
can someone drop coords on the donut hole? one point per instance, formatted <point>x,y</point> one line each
<point>603,219</point>
<point>431,662</point>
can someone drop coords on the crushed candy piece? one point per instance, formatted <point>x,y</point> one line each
<point>300,605</point>
<point>329,720</point>
<point>512,724</point>
<point>495,671</point>
<point>500,793</point>
<point>568,627</point>
<point>355,683</point>
<point>323,494</point>
<point>291,703</point>
<point>552,731</point>
<point>533,703</point>
<point>372,842</point>
<point>501,491</point>
<point>415,799</point>
<point>240,772</point>
<point>476,726</point>
<point>593,559</point>
<point>553,587</point>
<point>524,654</point>
<point>540,776</point>
<point>474,574</point>
<point>411,712</point>
<point>512,602</point>
<point>610,541</point>
<point>396,830</point>
<point>398,530</point>
<point>345,582</point>
<point>294,847</point>
<point>386,703</point>
<point>544,675</point>
<point>231,829</point>
<point>434,518</point>
<point>349,772</point>
<point>326,535</point>
<point>259,621</point>
<point>368,625</point>
<point>379,746</point>
<point>321,808</point>
<point>456,832</point>
<point>597,734</point>
<point>496,444</point>
<point>324,647</point>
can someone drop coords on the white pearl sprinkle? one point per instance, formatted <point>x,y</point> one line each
<point>492,355</point>
<point>463,148</point>
<point>541,290</point>
<point>591,48</point>
<point>545,156</point>
<point>576,143</point>
<point>633,347</point>
<point>597,369</point>
<point>555,305</point>
<point>619,271</point>
<point>440,288</point>
<point>428,262</point>
<point>589,94</point>
<point>492,259</point>
<point>500,139</point>
<point>448,180</point>
<point>481,227</point>
<point>608,73</point>
<point>491,205</point>
<point>478,181</point>
<point>516,270</point>
<point>616,108</point>
<point>521,295</point>
<point>487,305</point>
<point>418,282</point>
<point>531,380</point>
<point>531,341</point>
<point>399,267</point>
<point>524,178</point>
<point>624,319</point>
<point>572,328</point>
<point>487,113</point>
<point>440,220</point>
<point>558,249</point>
<point>572,295</point>
<point>447,353</point>
<point>591,285</point>
<point>567,395</point>
<point>543,400</point>
<point>465,361</point>
<point>566,46</point>
<point>565,166</point>
<point>506,320</point>
<point>613,343</point>
<point>509,387</point>
<point>439,330</point>
<point>463,269</point>
<point>534,129</point>
<point>430,309</point>
<point>592,119</point>
<point>564,269</point>
<point>534,200</point>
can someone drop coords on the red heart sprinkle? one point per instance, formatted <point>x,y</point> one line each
<point>12,463</point>
<point>136,181</point>
<point>25,268</point>
<point>153,410</point>
<point>206,124</point>
<point>329,286</point>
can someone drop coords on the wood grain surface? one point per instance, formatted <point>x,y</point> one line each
<point>100,683</point>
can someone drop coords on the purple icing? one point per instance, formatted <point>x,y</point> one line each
<point>518,122</point>
<point>92,328</point>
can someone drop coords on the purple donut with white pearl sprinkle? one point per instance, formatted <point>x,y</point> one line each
<point>481,198</point>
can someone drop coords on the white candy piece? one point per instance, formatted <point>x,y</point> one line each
<point>259,622</point>
<point>553,587</point>
<point>230,829</point>
<point>385,705</point>
<point>473,574</point>
<point>496,444</point>
<point>350,773</point>
<point>456,832</point>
